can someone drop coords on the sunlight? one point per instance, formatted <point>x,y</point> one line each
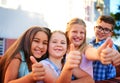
<point>31,5</point>
<point>9,4</point>
<point>55,12</point>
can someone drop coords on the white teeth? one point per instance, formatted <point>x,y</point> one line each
<point>39,52</point>
<point>77,40</point>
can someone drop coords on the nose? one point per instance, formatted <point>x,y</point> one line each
<point>58,44</point>
<point>78,34</point>
<point>40,45</point>
<point>102,30</point>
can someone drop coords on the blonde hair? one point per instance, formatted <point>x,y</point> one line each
<point>80,22</point>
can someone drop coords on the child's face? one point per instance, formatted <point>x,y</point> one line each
<point>77,34</point>
<point>103,34</point>
<point>57,45</point>
<point>39,44</point>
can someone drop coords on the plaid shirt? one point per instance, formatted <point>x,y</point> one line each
<point>100,71</point>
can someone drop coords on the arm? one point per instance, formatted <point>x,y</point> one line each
<point>50,75</point>
<point>81,76</point>
<point>91,53</point>
<point>86,79</point>
<point>72,61</point>
<point>116,58</point>
<point>43,72</point>
<point>69,69</point>
<point>12,74</point>
<point>104,53</point>
<point>66,74</point>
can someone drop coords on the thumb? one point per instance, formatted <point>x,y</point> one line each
<point>72,47</point>
<point>33,60</point>
<point>107,43</point>
<point>110,43</point>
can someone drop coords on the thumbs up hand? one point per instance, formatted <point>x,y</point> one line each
<point>38,71</point>
<point>105,52</point>
<point>73,58</point>
<point>116,58</point>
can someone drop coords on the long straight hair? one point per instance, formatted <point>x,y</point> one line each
<point>23,43</point>
<point>80,22</point>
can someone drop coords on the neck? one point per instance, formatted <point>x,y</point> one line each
<point>97,40</point>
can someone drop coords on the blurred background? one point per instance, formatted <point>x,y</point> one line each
<point>16,16</point>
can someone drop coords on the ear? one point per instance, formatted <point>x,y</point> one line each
<point>112,33</point>
<point>94,28</point>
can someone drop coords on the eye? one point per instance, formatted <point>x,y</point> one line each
<point>63,42</point>
<point>106,29</point>
<point>82,32</point>
<point>99,27</point>
<point>36,40</point>
<point>74,31</point>
<point>54,41</point>
<point>45,42</point>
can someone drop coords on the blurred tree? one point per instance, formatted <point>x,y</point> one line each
<point>116,16</point>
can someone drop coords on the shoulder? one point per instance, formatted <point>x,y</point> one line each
<point>46,64</point>
<point>116,47</point>
<point>92,41</point>
<point>49,67</point>
<point>16,59</point>
<point>15,62</point>
<point>50,75</point>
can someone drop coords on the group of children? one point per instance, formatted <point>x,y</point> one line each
<point>40,56</point>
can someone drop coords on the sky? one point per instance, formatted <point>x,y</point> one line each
<point>114,6</point>
<point>57,13</point>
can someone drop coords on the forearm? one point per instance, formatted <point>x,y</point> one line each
<point>116,58</point>
<point>26,79</point>
<point>92,54</point>
<point>65,76</point>
<point>87,79</point>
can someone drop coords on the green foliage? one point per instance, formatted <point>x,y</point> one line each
<point>116,16</point>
